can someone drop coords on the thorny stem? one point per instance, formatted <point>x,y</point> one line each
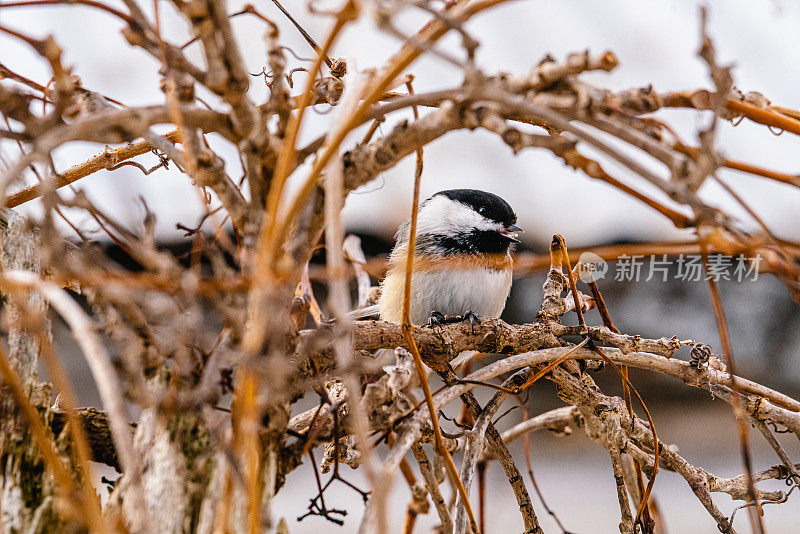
<point>244,412</point>
<point>559,241</point>
<point>339,302</point>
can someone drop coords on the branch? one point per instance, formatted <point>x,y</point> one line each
<point>106,159</point>
<point>501,452</point>
<point>474,451</point>
<point>557,420</point>
<point>98,433</point>
<point>115,126</point>
<point>439,345</point>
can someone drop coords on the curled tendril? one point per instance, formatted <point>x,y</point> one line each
<point>263,73</point>
<point>291,73</point>
<point>782,500</point>
<point>789,476</point>
<point>190,231</point>
<point>294,54</point>
<point>700,354</point>
<point>454,421</point>
<point>269,76</point>
<point>777,430</point>
<point>504,414</point>
<point>163,161</point>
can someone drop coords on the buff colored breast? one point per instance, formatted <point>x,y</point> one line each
<point>451,286</point>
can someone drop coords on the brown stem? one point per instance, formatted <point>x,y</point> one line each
<point>736,402</point>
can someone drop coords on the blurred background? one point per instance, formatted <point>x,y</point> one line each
<point>656,44</point>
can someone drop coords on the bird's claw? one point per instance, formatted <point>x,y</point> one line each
<point>439,319</point>
<point>472,318</point>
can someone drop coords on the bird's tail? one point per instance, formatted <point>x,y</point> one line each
<point>363,313</point>
<point>463,358</point>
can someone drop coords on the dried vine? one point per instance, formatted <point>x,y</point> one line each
<point>218,468</point>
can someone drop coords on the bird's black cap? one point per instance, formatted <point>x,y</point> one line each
<point>487,204</point>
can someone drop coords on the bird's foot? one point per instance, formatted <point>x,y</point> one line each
<point>472,318</point>
<point>439,319</point>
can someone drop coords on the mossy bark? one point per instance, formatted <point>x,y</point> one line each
<point>177,466</point>
<point>28,495</point>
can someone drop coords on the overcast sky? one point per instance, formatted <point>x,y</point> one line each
<point>656,43</point>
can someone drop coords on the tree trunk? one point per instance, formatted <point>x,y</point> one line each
<point>27,489</point>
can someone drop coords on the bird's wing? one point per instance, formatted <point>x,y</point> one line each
<point>363,313</point>
<point>462,358</point>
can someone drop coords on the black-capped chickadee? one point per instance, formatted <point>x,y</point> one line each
<point>462,259</point>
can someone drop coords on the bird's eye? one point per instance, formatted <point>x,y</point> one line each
<point>482,210</point>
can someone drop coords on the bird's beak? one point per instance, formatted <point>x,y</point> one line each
<point>510,232</point>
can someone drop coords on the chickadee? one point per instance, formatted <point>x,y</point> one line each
<point>462,259</point>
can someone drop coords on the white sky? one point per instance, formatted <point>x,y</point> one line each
<point>655,42</point>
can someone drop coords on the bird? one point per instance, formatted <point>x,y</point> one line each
<point>462,260</point>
